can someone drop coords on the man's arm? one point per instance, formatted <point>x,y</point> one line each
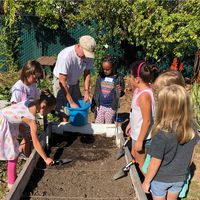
<point>64,87</point>
<point>86,85</point>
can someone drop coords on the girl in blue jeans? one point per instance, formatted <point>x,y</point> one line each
<point>172,146</point>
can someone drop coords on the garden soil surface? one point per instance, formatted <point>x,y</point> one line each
<point>88,176</point>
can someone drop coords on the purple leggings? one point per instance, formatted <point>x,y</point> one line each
<point>12,171</point>
<point>105,115</point>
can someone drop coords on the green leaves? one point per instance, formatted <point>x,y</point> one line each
<point>159,27</point>
<point>195,97</point>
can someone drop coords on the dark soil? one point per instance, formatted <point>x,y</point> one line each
<point>88,176</point>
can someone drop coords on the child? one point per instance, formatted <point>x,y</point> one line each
<point>23,90</point>
<point>142,110</point>
<point>10,118</point>
<point>172,146</point>
<point>167,78</point>
<point>109,88</point>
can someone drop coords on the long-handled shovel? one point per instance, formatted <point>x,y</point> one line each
<point>120,151</point>
<point>124,171</point>
<point>62,161</point>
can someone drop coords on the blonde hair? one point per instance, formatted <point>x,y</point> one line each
<point>167,78</point>
<point>174,113</point>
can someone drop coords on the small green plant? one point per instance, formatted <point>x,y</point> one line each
<point>195,96</point>
<point>45,84</point>
<point>52,118</point>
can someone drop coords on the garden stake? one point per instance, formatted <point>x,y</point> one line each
<point>116,117</point>
<point>124,171</point>
<point>120,152</point>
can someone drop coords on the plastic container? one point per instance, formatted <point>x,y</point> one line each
<point>79,116</point>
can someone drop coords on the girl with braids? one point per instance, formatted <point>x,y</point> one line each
<point>109,88</point>
<point>142,109</point>
<point>10,119</point>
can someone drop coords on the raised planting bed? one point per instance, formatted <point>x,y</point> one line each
<point>88,176</point>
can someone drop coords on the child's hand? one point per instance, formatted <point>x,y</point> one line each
<point>73,105</point>
<point>138,146</point>
<point>87,97</point>
<point>49,161</point>
<point>145,187</point>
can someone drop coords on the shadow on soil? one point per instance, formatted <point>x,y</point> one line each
<point>33,183</point>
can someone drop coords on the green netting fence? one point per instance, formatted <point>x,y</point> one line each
<point>37,41</point>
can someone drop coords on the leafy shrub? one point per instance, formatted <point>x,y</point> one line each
<point>195,96</point>
<point>45,84</point>
<point>7,80</point>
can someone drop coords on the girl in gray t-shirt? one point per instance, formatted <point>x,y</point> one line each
<point>172,144</point>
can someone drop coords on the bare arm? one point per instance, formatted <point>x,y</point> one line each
<point>152,170</point>
<point>128,129</point>
<point>145,105</point>
<point>86,85</point>
<point>36,143</point>
<point>64,87</point>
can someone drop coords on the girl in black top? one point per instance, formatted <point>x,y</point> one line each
<point>109,88</point>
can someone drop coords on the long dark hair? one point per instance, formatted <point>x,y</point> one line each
<point>32,67</point>
<point>48,98</point>
<point>148,73</point>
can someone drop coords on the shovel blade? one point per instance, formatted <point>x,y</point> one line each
<point>62,161</point>
<point>120,153</point>
<point>66,160</point>
<point>120,174</point>
<point>124,171</point>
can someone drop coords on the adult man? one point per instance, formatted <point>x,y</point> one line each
<point>71,63</point>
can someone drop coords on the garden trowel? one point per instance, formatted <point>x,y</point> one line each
<point>62,161</point>
<point>120,151</point>
<point>124,171</point>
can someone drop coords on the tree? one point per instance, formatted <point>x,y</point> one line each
<point>161,28</point>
